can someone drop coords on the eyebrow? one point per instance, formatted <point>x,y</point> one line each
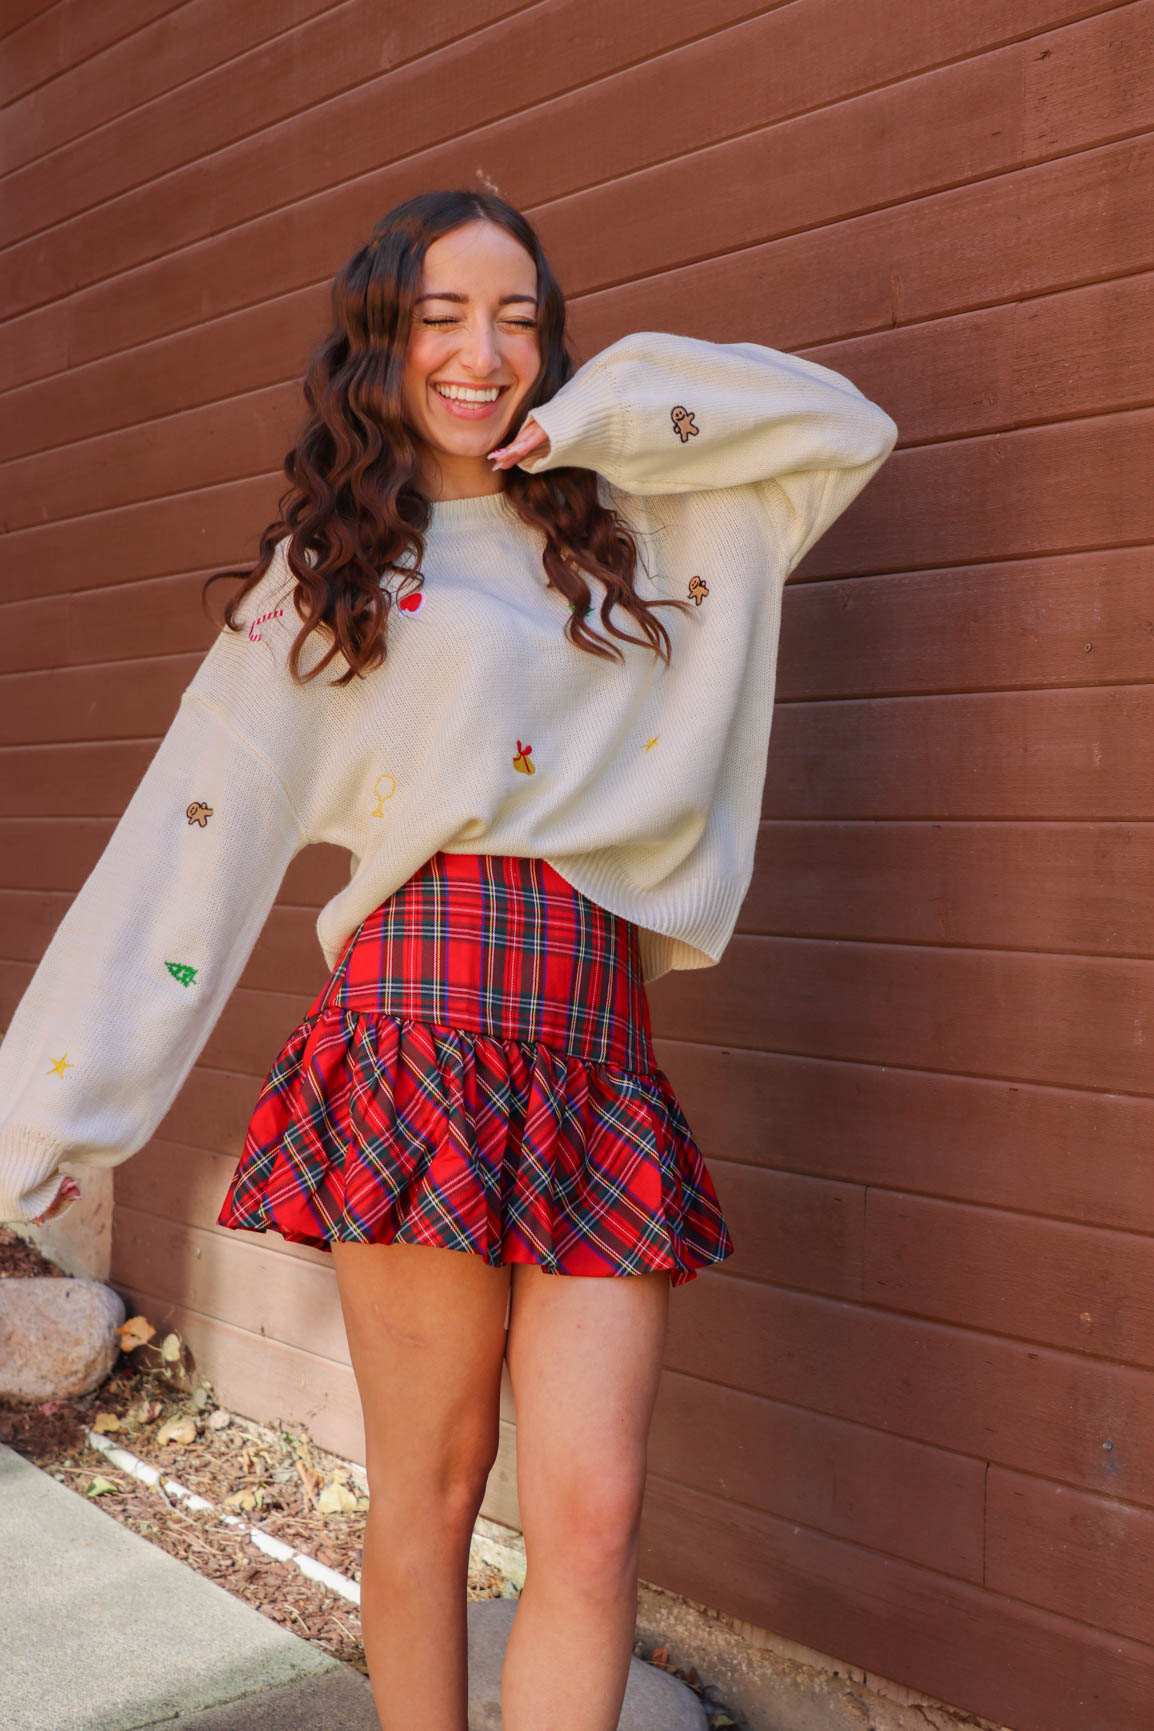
<point>504,300</point>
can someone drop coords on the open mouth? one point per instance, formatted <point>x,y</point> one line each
<point>468,403</point>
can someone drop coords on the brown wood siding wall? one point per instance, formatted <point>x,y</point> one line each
<point>907,1424</point>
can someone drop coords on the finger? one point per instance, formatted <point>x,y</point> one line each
<point>510,449</point>
<point>510,454</point>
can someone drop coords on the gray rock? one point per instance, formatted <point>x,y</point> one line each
<point>654,1701</point>
<point>57,1336</point>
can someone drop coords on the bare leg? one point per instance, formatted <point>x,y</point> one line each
<point>585,1361</point>
<point>426,1338</point>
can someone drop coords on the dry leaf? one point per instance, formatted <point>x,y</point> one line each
<point>336,1499</point>
<point>99,1486</point>
<point>660,1658</point>
<point>105,1421</point>
<point>240,1500</point>
<point>135,1332</point>
<point>219,1419</point>
<point>177,1430</point>
<point>170,1348</point>
<point>311,1480</point>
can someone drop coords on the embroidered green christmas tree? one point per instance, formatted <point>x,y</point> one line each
<point>182,972</point>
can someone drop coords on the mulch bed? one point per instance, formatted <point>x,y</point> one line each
<point>275,1478</point>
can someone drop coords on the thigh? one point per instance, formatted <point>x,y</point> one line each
<point>585,1358</point>
<point>426,1334</point>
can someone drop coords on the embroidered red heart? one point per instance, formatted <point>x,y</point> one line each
<point>410,603</point>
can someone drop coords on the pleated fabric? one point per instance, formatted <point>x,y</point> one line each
<point>477,1074</point>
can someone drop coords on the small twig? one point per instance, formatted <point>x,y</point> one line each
<point>344,1629</point>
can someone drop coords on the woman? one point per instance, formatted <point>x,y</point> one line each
<point>469,1117</point>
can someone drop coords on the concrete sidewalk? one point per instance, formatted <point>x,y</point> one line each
<point>101,1631</point>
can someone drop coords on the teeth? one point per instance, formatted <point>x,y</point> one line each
<point>461,394</point>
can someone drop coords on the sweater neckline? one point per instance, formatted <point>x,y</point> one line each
<point>480,508</point>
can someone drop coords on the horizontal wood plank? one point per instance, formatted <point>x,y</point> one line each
<point>1073,887</point>
<point>769,181</point>
<point>42,41</point>
<point>1004,1144</point>
<point>192,76</point>
<point>1076,220</point>
<point>1071,1021</point>
<point>330,109</point>
<point>1086,1557</point>
<point>980,1650</point>
<point>874,1488</point>
<point>775,180</point>
<point>978,1394</point>
<point>1059,223</point>
<point>282,1298</point>
<point>1075,1287</point>
<point>42,708</point>
<point>1056,754</point>
<point>1055,620</point>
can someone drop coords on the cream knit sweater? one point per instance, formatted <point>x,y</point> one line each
<point>485,731</point>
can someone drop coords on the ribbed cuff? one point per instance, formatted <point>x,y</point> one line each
<point>30,1178</point>
<point>587,423</point>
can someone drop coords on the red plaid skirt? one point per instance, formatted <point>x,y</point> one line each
<point>477,1074</point>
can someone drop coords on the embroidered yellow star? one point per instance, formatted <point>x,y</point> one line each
<point>59,1065</point>
<point>653,741</point>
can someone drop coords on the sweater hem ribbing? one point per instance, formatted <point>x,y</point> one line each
<point>710,915</point>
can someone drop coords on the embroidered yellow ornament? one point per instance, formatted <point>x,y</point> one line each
<point>182,972</point>
<point>384,787</point>
<point>521,761</point>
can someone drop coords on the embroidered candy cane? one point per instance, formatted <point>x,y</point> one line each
<point>254,634</point>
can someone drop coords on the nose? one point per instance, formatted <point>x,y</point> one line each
<point>479,349</point>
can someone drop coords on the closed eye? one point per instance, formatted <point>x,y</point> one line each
<point>526,324</point>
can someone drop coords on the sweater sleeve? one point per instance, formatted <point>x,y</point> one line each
<point>661,413</point>
<point>141,965</point>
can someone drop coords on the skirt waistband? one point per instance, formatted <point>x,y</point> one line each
<point>502,945</point>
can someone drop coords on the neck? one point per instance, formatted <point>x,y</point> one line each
<point>454,477</point>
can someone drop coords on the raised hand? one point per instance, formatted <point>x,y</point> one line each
<point>67,1194</point>
<point>529,439</point>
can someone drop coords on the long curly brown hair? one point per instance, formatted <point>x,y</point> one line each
<point>352,509</point>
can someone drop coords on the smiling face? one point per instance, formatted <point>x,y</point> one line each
<point>472,356</point>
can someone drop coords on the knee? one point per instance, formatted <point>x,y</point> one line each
<point>592,1531</point>
<point>433,1490</point>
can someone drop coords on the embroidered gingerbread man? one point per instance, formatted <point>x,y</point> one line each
<point>684,425</point>
<point>198,812</point>
<point>698,590</point>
